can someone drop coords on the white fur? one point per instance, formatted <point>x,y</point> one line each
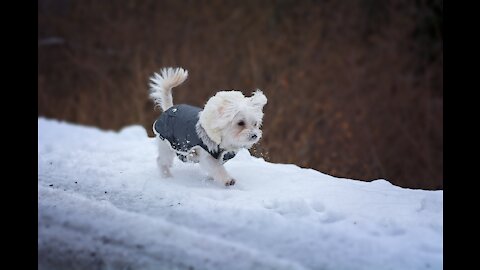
<point>229,121</point>
<point>161,86</point>
<point>165,157</point>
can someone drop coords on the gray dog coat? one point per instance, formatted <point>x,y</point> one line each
<point>177,125</point>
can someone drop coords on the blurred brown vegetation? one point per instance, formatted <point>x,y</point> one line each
<point>355,88</point>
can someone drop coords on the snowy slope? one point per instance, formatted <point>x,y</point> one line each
<point>103,205</point>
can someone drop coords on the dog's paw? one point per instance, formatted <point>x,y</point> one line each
<point>166,173</point>
<point>230,182</point>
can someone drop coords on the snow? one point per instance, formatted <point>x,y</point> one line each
<point>103,205</point>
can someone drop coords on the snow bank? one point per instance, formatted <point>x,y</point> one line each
<point>103,205</point>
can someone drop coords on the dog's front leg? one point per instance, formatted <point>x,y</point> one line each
<point>215,169</point>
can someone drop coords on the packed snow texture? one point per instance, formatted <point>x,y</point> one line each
<point>102,204</point>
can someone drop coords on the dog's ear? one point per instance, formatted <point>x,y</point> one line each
<point>219,112</point>
<point>258,99</point>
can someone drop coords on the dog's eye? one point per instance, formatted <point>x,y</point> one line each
<point>241,123</point>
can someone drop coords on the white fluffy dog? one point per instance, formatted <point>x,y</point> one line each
<point>211,136</point>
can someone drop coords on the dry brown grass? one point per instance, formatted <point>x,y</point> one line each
<point>355,89</point>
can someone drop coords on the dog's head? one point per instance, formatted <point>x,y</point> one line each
<point>232,120</point>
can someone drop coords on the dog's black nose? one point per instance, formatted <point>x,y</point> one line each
<point>253,136</point>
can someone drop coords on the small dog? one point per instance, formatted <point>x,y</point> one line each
<point>228,122</point>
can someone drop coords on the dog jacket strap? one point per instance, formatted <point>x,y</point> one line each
<point>229,155</point>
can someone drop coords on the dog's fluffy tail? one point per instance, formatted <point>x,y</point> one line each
<point>161,86</point>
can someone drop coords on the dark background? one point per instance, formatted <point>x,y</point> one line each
<point>355,88</point>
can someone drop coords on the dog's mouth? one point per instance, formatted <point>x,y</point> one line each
<point>250,143</point>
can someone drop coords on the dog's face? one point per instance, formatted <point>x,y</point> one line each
<point>232,120</point>
<point>243,130</point>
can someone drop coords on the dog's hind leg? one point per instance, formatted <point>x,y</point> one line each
<point>165,157</point>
